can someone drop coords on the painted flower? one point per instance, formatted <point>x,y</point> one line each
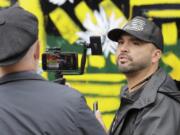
<point>60,2</point>
<point>101,28</point>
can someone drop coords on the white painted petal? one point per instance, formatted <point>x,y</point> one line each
<point>72,1</point>
<point>103,25</point>
<point>58,2</point>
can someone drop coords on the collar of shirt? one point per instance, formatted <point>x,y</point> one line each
<point>130,97</point>
<point>18,76</point>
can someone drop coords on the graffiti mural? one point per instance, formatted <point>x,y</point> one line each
<point>64,23</point>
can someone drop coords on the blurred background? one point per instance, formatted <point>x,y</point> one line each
<point>64,23</point>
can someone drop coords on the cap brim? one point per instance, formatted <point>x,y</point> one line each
<point>115,34</point>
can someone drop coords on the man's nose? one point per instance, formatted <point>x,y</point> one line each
<point>123,47</point>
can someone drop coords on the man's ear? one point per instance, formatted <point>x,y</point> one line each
<point>156,56</point>
<point>37,50</point>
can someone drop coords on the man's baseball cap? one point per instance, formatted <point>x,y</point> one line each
<point>18,32</point>
<point>142,29</point>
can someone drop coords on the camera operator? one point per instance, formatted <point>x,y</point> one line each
<point>30,105</point>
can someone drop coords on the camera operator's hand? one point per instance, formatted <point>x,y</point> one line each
<point>99,118</point>
<point>68,84</point>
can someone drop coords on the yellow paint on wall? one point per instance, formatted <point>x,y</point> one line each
<point>170,33</point>
<point>164,13</point>
<point>5,3</point>
<point>105,104</point>
<point>81,11</point>
<point>155,2</point>
<point>97,61</point>
<point>97,77</point>
<point>174,62</point>
<point>64,24</point>
<point>108,120</point>
<point>95,88</point>
<point>111,8</point>
<point>113,59</point>
<point>152,2</point>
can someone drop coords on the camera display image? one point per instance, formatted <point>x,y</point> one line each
<point>66,63</point>
<point>60,61</point>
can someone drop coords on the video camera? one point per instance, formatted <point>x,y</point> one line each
<point>66,63</point>
<point>55,60</point>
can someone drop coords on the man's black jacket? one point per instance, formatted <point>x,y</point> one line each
<point>155,112</point>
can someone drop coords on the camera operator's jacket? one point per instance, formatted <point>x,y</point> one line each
<point>29,105</point>
<point>155,112</point>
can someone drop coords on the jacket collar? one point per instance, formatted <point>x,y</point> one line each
<point>25,75</point>
<point>149,92</point>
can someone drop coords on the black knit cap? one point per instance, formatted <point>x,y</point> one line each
<point>142,29</point>
<point>18,32</point>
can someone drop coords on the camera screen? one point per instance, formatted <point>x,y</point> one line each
<point>61,62</point>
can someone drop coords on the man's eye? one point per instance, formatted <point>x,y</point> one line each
<point>120,42</point>
<point>136,43</point>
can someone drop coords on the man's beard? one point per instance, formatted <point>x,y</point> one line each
<point>133,67</point>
